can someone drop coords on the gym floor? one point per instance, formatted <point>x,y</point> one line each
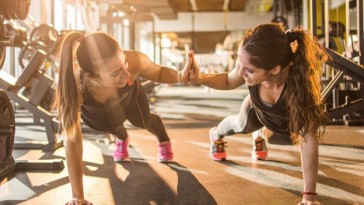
<point>188,114</point>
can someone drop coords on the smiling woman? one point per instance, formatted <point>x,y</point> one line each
<point>103,90</point>
<point>282,70</point>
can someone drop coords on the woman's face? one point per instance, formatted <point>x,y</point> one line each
<point>115,72</point>
<point>251,74</point>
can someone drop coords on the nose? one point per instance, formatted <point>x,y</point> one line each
<point>125,73</point>
<point>244,72</point>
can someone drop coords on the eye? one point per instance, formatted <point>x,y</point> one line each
<point>249,70</point>
<point>115,74</point>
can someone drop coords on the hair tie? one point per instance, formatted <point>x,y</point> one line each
<point>294,46</point>
<point>292,41</point>
<point>80,39</point>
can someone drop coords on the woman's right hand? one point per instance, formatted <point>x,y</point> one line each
<point>78,202</point>
<point>185,73</point>
<point>194,74</point>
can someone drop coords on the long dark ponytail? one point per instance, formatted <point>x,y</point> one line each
<point>66,98</point>
<point>303,94</point>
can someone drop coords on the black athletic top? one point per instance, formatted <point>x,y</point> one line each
<point>275,117</point>
<point>106,116</point>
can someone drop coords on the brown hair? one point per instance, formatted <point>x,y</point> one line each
<point>268,46</point>
<point>95,46</point>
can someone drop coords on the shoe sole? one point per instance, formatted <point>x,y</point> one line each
<point>217,159</point>
<point>122,160</point>
<point>164,161</point>
<point>256,157</point>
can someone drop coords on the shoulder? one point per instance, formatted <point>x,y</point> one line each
<point>136,58</point>
<point>135,55</point>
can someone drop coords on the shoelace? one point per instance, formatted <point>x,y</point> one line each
<point>260,144</point>
<point>164,149</point>
<point>219,146</point>
<point>121,147</point>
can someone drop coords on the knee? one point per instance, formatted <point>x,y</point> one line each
<point>148,122</point>
<point>152,121</point>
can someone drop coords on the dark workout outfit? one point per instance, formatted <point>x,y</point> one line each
<point>131,104</point>
<point>254,114</point>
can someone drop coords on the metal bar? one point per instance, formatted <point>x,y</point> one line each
<point>351,68</point>
<point>332,84</point>
<point>360,8</point>
<point>341,110</point>
<point>313,13</point>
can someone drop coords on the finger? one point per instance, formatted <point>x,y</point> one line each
<point>195,68</point>
<point>185,79</point>
<point>192,75</point>
<point>185,73</point>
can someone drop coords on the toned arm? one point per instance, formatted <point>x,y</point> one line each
<point>222,81</point>
<point>140,64</point>
<point>74,150</point>
<point>309,161</point>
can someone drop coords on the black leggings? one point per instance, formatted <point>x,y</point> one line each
<point>137,112</point>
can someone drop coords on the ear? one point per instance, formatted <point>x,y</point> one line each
<point>276,70</point>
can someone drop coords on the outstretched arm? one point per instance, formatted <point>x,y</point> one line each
<point>220,81</point>
<point>141,65</point>
<point>309,161</point>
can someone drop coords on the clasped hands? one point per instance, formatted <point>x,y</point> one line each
<point>191,71</point>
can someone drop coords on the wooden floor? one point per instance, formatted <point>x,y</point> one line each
<point>192,178</point>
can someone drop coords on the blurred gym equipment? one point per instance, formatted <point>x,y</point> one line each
<point>343,78</point>
<point>41,83</point>
<point>7,132</point>
<point>13,36</point>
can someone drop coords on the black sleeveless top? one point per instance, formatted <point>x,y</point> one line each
<point>109,115</point>
<point>275,118</point>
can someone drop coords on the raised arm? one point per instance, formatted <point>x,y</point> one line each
<point>140,64</point>
<point>309,161</point>
<point>220,81</point>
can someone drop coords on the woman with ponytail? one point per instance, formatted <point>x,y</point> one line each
<point>98,83</point>
<point>282,70</point>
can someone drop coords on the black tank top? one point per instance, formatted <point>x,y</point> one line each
<point>106,116</point>
<point>275,117</point>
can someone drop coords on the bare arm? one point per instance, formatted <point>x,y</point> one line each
<point>140,64</point>
<point>220,81</point>
<point>74,150</point>
<point>309,160</point>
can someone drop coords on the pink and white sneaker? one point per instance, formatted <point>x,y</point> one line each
<point>121,150</point>
<point>260,151</point>
<point>217,146</point>
<point>165,152</point>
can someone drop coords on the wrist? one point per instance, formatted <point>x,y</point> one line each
<point>179,77</point>
<point>310,196</point>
